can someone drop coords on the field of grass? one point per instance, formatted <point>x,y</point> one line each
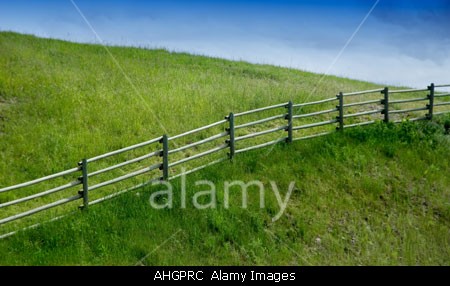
<point>375,195</point>
<point>62,101</point>
<point>363,198</point>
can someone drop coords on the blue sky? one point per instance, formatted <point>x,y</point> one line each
<point>402,42</point>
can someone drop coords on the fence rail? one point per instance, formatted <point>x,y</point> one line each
<point>133,147</point>
<point>408,90</point>
<point>347,113</point>
<point>261,109</point>
<point>315,113</point>
<point>314,102</point>
<point>378,101</point>
<point>43,179</point>
<point>253,123</point>
<point>362,92</point>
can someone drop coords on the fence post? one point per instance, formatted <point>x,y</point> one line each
<point>84,181</point>
<point>165,156</point>
<point>289,119</point>
<point>431,104</point>
<point>230,130</point>
<point>340,96</point>
<point>385,102</point>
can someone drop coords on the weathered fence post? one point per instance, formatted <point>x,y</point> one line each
<point>431,103</point>
<point>165,156</point>
<point>84,181</point>
<point>230,130</point>
<point>289,119</point>
<point>340,96</point>
<point>385,102</point>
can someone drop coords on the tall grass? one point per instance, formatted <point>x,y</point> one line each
<point>365,197</point>
<point>68,101</point>
<point>372,195</point>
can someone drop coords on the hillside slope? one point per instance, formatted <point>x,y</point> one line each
<point>372,195</point>
<point>74,101</point>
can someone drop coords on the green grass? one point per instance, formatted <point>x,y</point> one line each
<point>373,195</point>
<point>72,102</point>
<point>363,198</point>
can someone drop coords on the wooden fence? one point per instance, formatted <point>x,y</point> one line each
<point>343,114</point>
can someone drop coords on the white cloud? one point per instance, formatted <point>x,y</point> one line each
<point>382,52</point>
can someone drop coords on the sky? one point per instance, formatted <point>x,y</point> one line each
<point>390,42</point>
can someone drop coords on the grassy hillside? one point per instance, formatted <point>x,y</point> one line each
<point>375,195</point>
<point>367,197</point>
<point>71,101</point>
